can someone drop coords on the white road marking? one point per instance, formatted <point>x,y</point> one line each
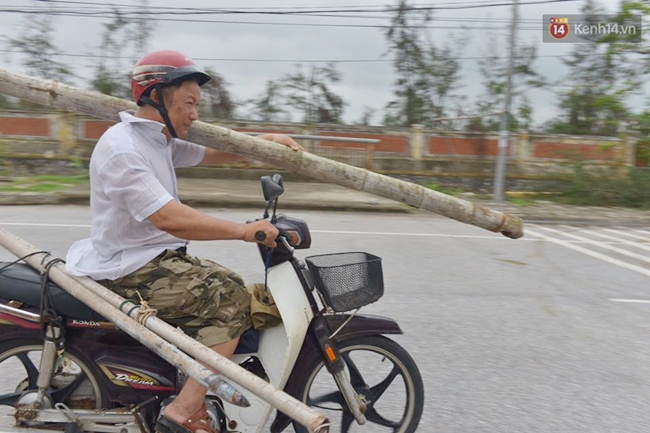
<point>342,232</point>
<point>599,244</point>
<point>45,225</point>
<point>618,240</point>
<point>628,234</point>
<point>437,235</point>
<point>632,301</point>
<point>594,254</point>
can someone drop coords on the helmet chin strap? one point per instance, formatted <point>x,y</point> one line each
<point>160,106</point>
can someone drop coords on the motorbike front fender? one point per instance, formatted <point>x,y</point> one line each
<point>358,326</point>
<point>361,326</point>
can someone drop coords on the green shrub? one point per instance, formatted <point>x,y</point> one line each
<point>445,190</point>
<point>49,183</point>
<point>630,188</point>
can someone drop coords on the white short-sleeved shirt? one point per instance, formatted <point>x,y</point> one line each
<point>131,177</point>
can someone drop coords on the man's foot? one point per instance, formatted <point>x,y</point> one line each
<point>171,420</point>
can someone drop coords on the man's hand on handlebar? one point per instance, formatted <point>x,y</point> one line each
<point>270,233</point>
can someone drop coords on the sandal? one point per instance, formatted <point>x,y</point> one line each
<point>201,420</point>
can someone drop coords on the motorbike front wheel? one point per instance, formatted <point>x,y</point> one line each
<point>381,372</point>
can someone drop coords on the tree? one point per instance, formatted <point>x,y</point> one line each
<point>124,38</point>
<point>524,114</point>
<point>635,49</point>
<point>427,75</point>
<point>111,76</point>
<point>308,91</point>
<point>36,43</point>
<point>600,78</point>
<point>268,105</point>
<point>492,100</point>
<point>141,31</point>
<point>640,127</point>
<point>217,100</point>
<point>367,116</point>
<point>637,42</point>
<point>6,103</point>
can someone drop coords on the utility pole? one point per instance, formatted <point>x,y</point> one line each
<point>504,134</point>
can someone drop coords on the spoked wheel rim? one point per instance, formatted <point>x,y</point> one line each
<point>73,382</point>
<point>380,377</point>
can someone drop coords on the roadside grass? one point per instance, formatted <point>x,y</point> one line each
<point>520,201</point>
<point>445,190</point>
<point>628,189</point>
<point>516,198</point>
<point>42,183</point>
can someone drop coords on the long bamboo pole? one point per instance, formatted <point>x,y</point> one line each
<point>58,95</point>
<point>165,340</point>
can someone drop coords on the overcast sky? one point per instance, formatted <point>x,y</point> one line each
<point>364,84</point>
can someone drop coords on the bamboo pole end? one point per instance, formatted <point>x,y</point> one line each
<point>512,227</point>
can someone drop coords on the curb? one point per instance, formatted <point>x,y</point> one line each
<point>29,198</point>
<point>217,201</point>
<point>542,213</point>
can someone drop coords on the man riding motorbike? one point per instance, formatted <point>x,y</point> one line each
<point>140,229</point>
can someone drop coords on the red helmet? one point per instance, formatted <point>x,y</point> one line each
<point>163,67</point>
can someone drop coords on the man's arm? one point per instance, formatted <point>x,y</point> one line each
<point>213,156</point>
<point>187,223</point>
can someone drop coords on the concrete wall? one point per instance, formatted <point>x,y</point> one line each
<point>69,139</point>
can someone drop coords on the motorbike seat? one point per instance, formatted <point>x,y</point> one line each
<point>20,282</point>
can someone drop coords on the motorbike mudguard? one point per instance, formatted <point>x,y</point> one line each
<point>359,326</point>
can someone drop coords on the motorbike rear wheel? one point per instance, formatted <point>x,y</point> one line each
<point>383,373</point>
<point>75,382</point>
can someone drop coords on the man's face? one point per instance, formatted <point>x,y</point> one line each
<point>182,106</point>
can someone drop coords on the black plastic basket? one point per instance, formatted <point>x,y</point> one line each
<point>347,280</point>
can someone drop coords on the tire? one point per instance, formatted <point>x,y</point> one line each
<point>75,381</point>
<point>393,405</point>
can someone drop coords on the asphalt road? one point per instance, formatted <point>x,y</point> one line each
<point>548,333</point>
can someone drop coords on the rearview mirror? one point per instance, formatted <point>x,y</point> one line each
<point>272,187</point>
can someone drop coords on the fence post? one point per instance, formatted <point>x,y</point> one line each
<point>523,150</point>
<point>417,142</point>
<point>64,130</point>
<point>309,129</point>
<point>629,151</point>
<point>370,157</point>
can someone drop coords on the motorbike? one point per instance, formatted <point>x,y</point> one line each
<point>65,367</point>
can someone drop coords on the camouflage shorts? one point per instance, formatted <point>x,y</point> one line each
<point>209,302</point>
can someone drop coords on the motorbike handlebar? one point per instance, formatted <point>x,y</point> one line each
<point>260,236</point>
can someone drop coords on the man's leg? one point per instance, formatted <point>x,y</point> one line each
<point>192,396</point>
<point>192,293</point>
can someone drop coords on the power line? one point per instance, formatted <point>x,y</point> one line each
<point>106,14</point>
<point>461,20</point>
<point>323,11</point>
<point>94,56</point>
<point>328,9</point>
<point>146,11</point>
<point>288,24</point>
<point>380,6</point>
<point>153,13</point>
